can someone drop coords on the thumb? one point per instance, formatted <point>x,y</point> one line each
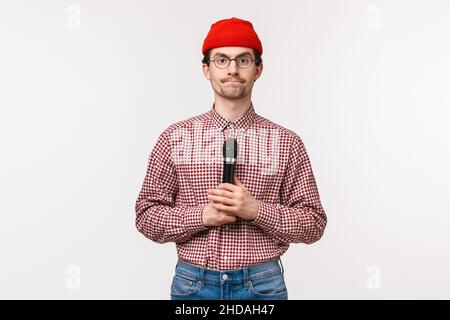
<point>238,182</point>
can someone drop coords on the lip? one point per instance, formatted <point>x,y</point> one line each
<point>233,81</point>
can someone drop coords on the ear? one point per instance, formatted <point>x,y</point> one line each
<point>258,71</point>
<point>206,71</point>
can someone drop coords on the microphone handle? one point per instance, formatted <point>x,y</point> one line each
<point>228,173</point>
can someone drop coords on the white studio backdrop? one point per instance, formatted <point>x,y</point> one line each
<point>86,87</point>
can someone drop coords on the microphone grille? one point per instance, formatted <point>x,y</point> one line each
<point>230,148</point>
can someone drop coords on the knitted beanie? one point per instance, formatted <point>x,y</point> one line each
<point>233,32</point>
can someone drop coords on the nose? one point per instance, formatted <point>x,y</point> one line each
<point>233,67</point>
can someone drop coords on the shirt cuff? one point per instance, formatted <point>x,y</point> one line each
<point>192,219</point>
<point>267,216</point>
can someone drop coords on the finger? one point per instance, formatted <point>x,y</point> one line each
<point>229,219</point>
<point>223,200</point>
<point>229,187</point>
<point>225,213</point>
<point>224,208</point>
<point>221,192</point>
<point>238,183</point>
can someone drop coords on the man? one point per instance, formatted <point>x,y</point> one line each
<point>230,236</point>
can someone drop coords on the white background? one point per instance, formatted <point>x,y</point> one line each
<point>86,87</point>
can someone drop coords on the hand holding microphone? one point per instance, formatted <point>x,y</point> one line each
<point>210,215</point>
<point>230,199</point>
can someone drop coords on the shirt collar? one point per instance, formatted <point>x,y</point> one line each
<point>243,122</point>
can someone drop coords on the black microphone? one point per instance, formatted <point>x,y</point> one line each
<point>229,160</point>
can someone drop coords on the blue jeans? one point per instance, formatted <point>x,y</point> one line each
<point>263,281</point>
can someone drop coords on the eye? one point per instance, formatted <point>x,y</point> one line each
<point>221,60</point>
<point>245,62</point>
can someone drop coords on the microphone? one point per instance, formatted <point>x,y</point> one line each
<point>229,160</point>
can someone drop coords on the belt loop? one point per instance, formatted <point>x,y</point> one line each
<point>245,270</point>
<point>202,275</point>
<point>281,264</point>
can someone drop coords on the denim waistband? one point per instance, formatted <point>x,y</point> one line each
<point>251,273</point>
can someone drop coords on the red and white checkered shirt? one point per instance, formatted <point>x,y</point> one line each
<point>272,164</point>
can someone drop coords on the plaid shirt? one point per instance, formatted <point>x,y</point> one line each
<point>272,164</point>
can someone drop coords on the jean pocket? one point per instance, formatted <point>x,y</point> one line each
<point>273,287</point>
<point>183,287</point>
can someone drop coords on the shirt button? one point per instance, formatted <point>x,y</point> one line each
<point>226,227</point>
<point>225,277</point>
<point>225,258</point>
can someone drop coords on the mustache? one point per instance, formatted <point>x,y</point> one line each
<point>233,79</point>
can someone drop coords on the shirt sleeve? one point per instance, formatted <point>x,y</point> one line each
<point>157,216</point>
<point>299,217</point>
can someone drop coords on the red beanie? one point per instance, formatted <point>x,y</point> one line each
<point>232,32</point>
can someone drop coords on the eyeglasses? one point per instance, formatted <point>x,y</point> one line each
<point>223,62</point>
